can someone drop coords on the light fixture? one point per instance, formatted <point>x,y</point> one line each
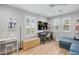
<point>53,5</point>
<point>60,10</point>
<point>49,14</point>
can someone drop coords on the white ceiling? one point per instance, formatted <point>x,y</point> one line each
<point>46,10</point>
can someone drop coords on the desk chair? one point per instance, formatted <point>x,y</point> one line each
<point>42,37</point>
<point>48,37</point>
<point>8,46</point>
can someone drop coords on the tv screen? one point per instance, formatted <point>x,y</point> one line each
<point>39,25</point>
<point>42,25</point>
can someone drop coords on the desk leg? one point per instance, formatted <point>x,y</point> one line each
<point>17,47</point>
<point>0,49</point>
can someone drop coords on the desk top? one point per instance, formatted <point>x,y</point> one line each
<point>7,40</point>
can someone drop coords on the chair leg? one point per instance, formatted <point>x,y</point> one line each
<point>40,41</point>
<point>13,49</point>
<point>50,39</point>
<point>6,51</point>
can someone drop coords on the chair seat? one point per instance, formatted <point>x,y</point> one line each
<point>74,49</point>
<point>9,45</point>
<point>74,53</point>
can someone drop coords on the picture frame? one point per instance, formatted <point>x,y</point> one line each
<point>11,24</point>
<point>11,27</point>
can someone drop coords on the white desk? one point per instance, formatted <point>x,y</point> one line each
<point>7,40</point>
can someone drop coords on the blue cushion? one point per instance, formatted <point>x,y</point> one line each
<point>66,38</point>
<point>64,42</point>
<point>74,49</point>
<point>74,53</point>
<point>70,44</point>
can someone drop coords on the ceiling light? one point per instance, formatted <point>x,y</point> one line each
<point>60,10</point>
<point>53,5</point>
<point>49,14</point>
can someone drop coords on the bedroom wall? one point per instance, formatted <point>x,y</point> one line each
<point>74,16</point>
<point>6,12</point>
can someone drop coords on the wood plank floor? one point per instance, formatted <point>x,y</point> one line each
<point>50,48</point>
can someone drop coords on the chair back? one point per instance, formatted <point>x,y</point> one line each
<point>48,35</point>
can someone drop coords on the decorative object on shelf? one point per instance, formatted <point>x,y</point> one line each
<point>66,24</point>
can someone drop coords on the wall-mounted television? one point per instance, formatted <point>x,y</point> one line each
<point>42,25</point>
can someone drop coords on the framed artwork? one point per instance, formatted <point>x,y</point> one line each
<point>66,24</point>
<point>56,25</point>
<point>11,27</point>
<point>11,24</point>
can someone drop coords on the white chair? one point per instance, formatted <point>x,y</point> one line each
<point>48,35</point>
<point>8,46</point>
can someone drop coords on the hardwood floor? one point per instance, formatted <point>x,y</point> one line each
<point>50,48</point>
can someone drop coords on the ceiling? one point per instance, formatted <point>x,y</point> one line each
<point>48,10</point>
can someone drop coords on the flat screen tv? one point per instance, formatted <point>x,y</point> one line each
<point>42,25</point>
<point>39,25</point>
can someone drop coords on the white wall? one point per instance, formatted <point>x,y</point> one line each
<point>74,16</point>
<point>6,12</point>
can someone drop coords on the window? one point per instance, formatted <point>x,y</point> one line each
<point>66,24</point>
<point>30,26</point>
<point>77,26</point>
<point>56,25</point>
